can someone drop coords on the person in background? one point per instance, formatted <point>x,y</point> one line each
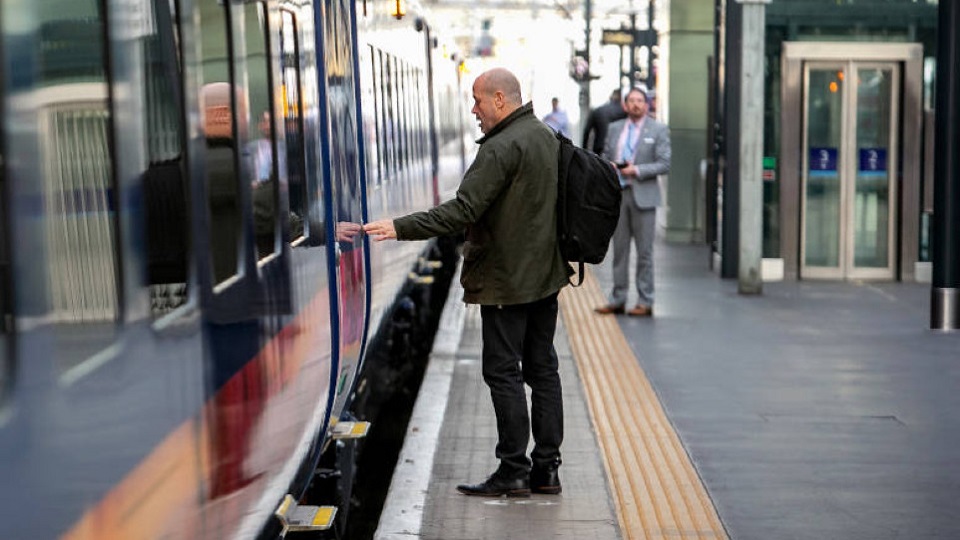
<point>557,119</point>
<point>513,269</point>
<point>595,130</point>
<point>640,148</point>
<point>259,151</point>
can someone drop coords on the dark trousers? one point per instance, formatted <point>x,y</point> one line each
<point>518,349</point>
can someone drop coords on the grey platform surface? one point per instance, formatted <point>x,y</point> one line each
<point>454,411</point>
<point>817,410</point>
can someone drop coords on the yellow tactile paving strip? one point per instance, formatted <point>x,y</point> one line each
<point>656,490</point>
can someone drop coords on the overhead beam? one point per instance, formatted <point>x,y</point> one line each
<point>567,9</point>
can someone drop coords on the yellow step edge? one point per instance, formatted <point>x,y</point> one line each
<point>350,430</point>
<point>303,518</point>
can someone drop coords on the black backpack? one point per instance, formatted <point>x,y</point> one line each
<point>588,205</point>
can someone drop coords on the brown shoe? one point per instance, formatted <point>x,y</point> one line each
<point>609,309</point>
<point>641,311</point>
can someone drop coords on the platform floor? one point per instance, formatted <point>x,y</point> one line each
<point>817,410</point>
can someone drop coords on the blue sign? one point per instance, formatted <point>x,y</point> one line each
<point>823,161</point>
<point>873,162</point>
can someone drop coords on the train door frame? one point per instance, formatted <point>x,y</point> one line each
<point>343,328</point>
<point>362,171</point>
<point>905,182</point>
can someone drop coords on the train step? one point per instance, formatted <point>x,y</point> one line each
<point>350,430</point>
<point>302,518</point>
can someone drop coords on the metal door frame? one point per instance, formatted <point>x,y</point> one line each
<point>847,173</point>
<point>907,185</point>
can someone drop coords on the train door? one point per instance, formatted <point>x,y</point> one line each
<point>347,193</point>
<point>850,160</point>
<point>849,156</point>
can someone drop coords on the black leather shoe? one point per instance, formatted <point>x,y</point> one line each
<point>496,486</point>
<point>545,481</point>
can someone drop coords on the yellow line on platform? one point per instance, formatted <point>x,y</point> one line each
<point>656,490</point>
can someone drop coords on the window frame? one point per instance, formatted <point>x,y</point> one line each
<point>301,148</point>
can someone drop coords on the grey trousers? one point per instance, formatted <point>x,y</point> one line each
<point>640,225</point>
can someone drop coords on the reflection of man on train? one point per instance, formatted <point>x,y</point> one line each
<point>221,176</point>
<point>258,152</point>
<point>258,155</point>
<point>239,399</point>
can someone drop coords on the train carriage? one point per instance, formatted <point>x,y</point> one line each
<point>187,299</point>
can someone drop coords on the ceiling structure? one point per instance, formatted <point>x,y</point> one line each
<point>540,40</point>
<point>465,19</point>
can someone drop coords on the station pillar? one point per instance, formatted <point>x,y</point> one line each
<point>749,277</point>
<point>945,248</point>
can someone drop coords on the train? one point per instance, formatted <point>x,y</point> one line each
<point>189,305</point>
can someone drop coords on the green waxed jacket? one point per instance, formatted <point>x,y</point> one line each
<point>507,204</point>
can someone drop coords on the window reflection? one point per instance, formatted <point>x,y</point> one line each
<point>260,151</point>
<point>76,183</point>
<point>292,117</point>
<point>164,188</point>
<point>217,98</point>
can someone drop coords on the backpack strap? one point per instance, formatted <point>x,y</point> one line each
<point>562,214</point>
<point>579,276</point>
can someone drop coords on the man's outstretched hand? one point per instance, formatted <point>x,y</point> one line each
<point>382,229</point>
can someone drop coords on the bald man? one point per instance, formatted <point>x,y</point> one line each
<point>513,269</point>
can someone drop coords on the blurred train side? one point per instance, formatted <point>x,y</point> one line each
<point>179,336</point>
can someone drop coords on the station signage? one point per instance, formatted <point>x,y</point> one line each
<point>823,161</point>
<point>873,162</point>
<point>769,168</point>
<point>617,37</point>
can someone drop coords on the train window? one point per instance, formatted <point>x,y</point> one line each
<point>381,90</point>
<point>408,117</point>
<point>418,113</point>
<point>399,126</point>
<point>260,151</point>
<point>293,116</point>
<point>422,114</point>
<point>164,187</point>
<point>389,124</point>
<point>381,119</point>
<point>371,113</point>
<point>309,96</point>
<point>405,95</point>
<point>218,99</point>
<point>415,150</point>
<point>396,83</point>
<point>76,187</point>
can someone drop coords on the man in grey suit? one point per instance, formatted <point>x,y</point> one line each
<point>640,147</point>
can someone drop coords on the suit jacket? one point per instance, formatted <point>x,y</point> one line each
<point>597,122</point>
<point>652,158</point>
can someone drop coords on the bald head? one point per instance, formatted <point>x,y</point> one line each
<point>496,94</point>
<point>501,80</point>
